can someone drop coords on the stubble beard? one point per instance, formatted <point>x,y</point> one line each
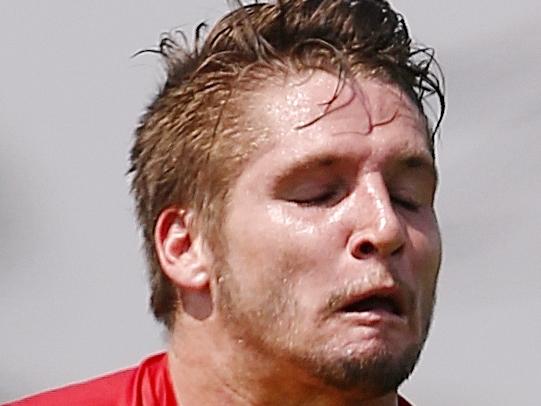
<point>271,330</point>
<point>370,375</point>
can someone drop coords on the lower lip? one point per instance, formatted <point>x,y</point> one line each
<point>373,317</point>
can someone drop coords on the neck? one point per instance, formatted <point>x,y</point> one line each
<point>208,367</point>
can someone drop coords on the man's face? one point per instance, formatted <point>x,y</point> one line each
<point>333,246</point>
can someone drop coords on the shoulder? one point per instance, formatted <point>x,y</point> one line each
<point>403,402</point>
<point>147,382</point>
<point>98,391</point>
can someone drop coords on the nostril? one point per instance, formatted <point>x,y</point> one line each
<point>367,248</point>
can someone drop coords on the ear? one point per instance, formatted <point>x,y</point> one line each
<point>180,252</point>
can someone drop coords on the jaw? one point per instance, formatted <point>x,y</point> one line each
<point>306,368</point>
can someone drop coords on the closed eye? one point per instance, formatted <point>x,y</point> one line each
<point>407,204</point>
<point>326,198</point>
<point>317,195</point>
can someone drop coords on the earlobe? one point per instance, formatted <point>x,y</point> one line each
<point>180,252</point>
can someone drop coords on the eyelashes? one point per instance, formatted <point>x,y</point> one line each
<point>325,198</point>
<point>334,194</point>
<point>407,204</point>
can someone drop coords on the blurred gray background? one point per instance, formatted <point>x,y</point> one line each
<point>73,294</point>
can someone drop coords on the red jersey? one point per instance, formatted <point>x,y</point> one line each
<point>148,384</point>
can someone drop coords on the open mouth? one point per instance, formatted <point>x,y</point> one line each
<point>375,303</point>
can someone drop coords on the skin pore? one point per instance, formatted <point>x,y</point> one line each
<point>324,224</point>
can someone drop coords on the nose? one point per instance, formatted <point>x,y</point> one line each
<point>379,230</point>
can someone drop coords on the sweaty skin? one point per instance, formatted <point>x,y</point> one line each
<point>336,205</point>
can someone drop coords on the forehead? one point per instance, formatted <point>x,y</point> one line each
<point>316,108</point>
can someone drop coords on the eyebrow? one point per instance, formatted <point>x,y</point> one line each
<point>419,161</point>
<point>413,160</point>
<point>307,163</point>
<point>313,162</point>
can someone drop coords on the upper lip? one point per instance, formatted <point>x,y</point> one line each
<point>395,297</point>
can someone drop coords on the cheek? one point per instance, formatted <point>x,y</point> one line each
<point>426,247</point>
<point>268,242</point>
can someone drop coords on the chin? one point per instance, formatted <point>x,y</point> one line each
<point>373,371</point>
